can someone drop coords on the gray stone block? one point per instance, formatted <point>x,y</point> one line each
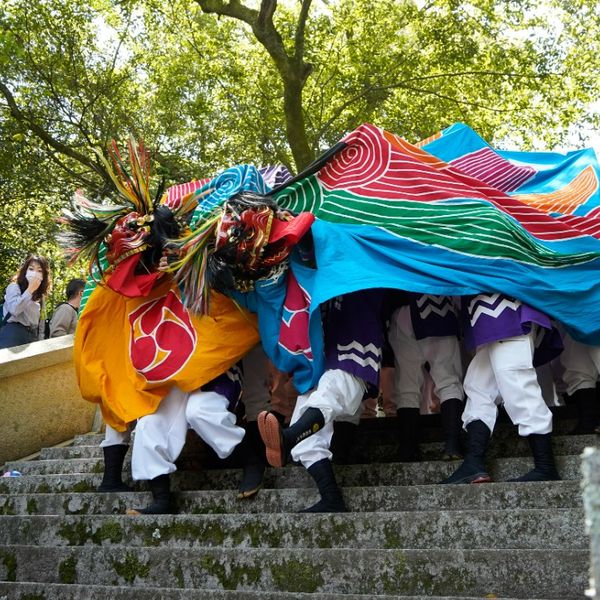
<point>557,573</point>
<point>465,529</point>
<point>494,496</point>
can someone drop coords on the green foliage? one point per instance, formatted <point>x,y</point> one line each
<point>196,83</point>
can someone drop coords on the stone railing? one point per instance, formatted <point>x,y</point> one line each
<point>591,501</point>
<point>39,398</point>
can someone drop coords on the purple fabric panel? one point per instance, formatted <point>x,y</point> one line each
<point>228,384</point>
<point>491,317</point>
<point>433,316</point>
<point>548,347</point>
<point>275,175</point>
<point>354,334</point>
<point>531,315</point>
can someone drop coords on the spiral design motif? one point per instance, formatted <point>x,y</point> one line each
<point>162,338</point>
<point>365,159</point>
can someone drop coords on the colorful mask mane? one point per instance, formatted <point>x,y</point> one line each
<point>244,249</point>
<point>139,226</point>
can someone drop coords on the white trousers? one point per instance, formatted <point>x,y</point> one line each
<point>112,437</point>
<point>410,354</point>
<point>159,437</point>
<point>581,363</point>
<point>338,394</point>
<point>505,369</point>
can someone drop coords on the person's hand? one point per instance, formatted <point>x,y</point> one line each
<point>35,280</point>
<point>169,255</point>
<point>163,263</point>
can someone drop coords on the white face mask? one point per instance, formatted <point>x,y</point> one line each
<point>32,274</point>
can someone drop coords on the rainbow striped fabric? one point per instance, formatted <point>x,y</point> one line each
<point>453,216</point>
<point>450,216</point>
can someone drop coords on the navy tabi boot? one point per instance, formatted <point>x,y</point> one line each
<point>473,469</point>
<point>450,415</point>
<point>331,495</point>
<point>279,441</point>
<point>543,459</point>
<point>162,500</point>
<point>114,457</point>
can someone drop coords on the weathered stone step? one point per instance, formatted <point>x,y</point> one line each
<point>57,591</point>
<point>383,453</point>
<point>74,475</point>
<point>493,496</point>
<point>557,573</point>
<point>467,529</point>
<point>385,430</point>
<point>563,445</point>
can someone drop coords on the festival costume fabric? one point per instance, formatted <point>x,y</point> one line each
<point>394,215</point>
<point>450,216</point>
<point>129,352</point>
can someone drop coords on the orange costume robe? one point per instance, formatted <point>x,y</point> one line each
<point>129,352</point>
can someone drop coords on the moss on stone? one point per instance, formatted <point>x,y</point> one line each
<point>131,567</point>
<point>32,507</point>
<point>392,537</point>
<point>111,530</point>
<point>210,509</point>
<point>75,533</point>
<point>83,486</point>
<point>67,570</point>
<point>392,581</point>
<point>296,576</point>
<point>178,574</point>
<point>10,562</point>
<point>231,576</point>
<point>7,509</point>
<point>44,488</point>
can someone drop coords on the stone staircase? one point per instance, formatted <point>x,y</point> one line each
<point>405,537</point>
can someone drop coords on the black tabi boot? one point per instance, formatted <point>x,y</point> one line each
<point>588,411</point>
<point>279,441</point>
<point>473,470</point>
<point>252,451</point>
<point>408,434</point>
<point>450,415</point>
<point>331,495</point>
<point>343,442</point>
<point>543,459</point>
<point>114,456</point>
<point>162,500</point>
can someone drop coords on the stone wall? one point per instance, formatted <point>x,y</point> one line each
<point>591,500</point>
<point>39,398</point>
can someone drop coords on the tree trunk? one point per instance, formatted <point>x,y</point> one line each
<point>294,124</point>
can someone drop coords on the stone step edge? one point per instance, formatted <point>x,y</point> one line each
<point>401,567</point>
<point>97,464</point>
<point>88,592</point>
<point>349,514</point>
<point>497,485</point>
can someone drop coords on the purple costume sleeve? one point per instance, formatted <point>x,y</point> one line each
<point>228,384</point>
<point>354,334</point>
<point>488,318</point>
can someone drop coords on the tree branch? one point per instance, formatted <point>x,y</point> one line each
<point>404,84</point>
<point>300,30</point>
<point>40,132</point>
<point>292,69</point>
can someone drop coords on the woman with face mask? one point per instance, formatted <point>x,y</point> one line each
<point>23,303</point>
